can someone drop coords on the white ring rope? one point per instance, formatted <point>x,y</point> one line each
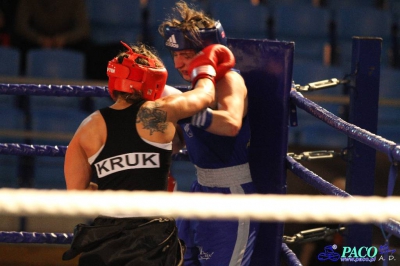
<point>290,208</point>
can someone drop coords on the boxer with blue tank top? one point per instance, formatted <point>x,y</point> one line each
<point>217,140</point>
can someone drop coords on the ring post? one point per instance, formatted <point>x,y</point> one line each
<point>364,98</point>
<point>266,67</point>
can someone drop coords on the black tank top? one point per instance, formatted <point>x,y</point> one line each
<point>126,162</point>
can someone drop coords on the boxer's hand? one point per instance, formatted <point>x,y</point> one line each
<point>212,62</point>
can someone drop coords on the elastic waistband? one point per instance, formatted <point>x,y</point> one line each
<point>224,177</point>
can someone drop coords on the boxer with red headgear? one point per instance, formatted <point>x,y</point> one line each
<point>127,146</point>
<point>126,75</point>
<point>217,138</point>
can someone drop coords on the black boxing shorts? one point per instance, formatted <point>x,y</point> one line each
<point>127,241</point>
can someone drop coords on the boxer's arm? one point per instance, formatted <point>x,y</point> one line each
<point>169,90</point>
<point>77,170</point>
<point>211,64</point>
<point>186,104</point>
<point>178,142</point>
<point>86,141</point>
<point>231,94</point>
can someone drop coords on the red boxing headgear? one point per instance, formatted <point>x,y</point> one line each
<point>128,76</point>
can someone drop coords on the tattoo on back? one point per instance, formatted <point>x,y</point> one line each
<point>153,119</point>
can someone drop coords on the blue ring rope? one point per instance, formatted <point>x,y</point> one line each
<point>364,136</point>
<point>26,149</point>
<point>327,188</point>
<point>53,90</point>
<point>290,256</point>
<point>33,237</point>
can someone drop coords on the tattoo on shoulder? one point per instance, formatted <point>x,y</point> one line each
<point>152,118</point>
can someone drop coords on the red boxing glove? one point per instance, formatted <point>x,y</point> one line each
<point>212,62</point>
<point>171,185</point>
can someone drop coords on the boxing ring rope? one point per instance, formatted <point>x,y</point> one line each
<point>294,208</point>
<point>377,142</point>
<point>36,238</point>
<point>327,188</point>
<point>30,150</point>
<point>368,71</point>
<point>53,90</point>
<point>326,210</point>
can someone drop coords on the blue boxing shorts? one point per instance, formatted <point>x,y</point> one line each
<point>220,242</point>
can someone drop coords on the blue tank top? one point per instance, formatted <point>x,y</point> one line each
<point>207,150</point>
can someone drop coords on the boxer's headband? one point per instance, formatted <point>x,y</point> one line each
<point>176,39</point>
